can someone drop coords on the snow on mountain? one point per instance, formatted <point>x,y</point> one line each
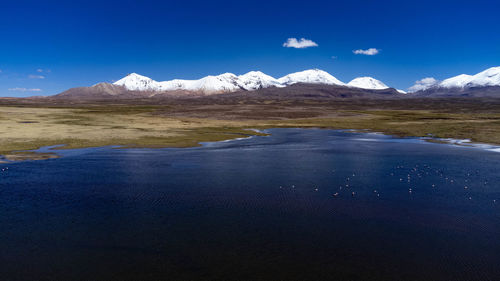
<point>227,82</point>
<point>255,80</point>
<point>489,77</point>
<point>250,81</point>
<point>136,82</point>
<point>313,76</point>
<point>459,81</point>
<point>367,83</point>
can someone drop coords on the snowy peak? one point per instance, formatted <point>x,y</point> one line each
<point>313,76</point>
<point>370,83</point>
<point>226,82</point>
<point>458,81</point>
<point>367,83</point>
<point>255,80</point>
<point>251,81</point>
<point>488,77</point>
<point>136,82</point>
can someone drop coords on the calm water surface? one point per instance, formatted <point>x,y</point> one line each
<point>297,205</point>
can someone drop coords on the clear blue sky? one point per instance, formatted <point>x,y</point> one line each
<point>80,43</point>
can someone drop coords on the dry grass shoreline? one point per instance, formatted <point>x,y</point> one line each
<point>26,127</point>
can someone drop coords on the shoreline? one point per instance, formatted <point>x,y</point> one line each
<point>28,128</point>
<point>50,152</point>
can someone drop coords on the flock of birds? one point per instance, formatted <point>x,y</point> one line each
<point>416,178</point>
<point>407,178</point>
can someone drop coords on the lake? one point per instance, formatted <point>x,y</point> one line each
<point>300,204</point>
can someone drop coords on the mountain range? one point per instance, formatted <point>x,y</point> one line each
<point>138,86</point>
<point>489,77</point>
<point>229,82</point>
<point>480,84</point>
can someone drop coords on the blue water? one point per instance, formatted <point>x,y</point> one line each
<point>262,208</point>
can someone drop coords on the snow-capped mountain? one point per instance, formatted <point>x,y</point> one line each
<point>250,81</point>
<point>489,77</point>
<point>226,82</point>
<point>458,81</point>
<point>483,84</point>
<point>367,83</point>
<point>136,82</point>
<point>255,80</point>
<point>370,83</point>
<point>312,76</point>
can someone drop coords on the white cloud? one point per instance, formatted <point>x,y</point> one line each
<point>423,84</point>
<point>334,57</point>
<point>39,70</point>
<point>299,44</point>
<point>25,90</point>
<point>36,77</point>
<point>368,52</point>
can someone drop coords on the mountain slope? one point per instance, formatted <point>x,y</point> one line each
<point>107,91</point>
<point>303,91</point>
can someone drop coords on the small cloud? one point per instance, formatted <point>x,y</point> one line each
<point>0,71</point>
<point>299,44</point>
<point>423,84</point>
<point>36,77</point>
<point>334,57</point>
<point>25,90</point>
<point>39,70</point>
<point>367,52</point>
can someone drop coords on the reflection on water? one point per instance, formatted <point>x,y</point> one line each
<point>296,205</point>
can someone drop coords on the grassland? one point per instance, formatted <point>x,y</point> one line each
<point>26,127</point>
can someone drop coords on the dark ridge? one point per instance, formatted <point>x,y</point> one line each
<point>478,92</point>
<point>294,94</point>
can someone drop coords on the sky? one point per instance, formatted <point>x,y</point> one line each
<point>47,47</point>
